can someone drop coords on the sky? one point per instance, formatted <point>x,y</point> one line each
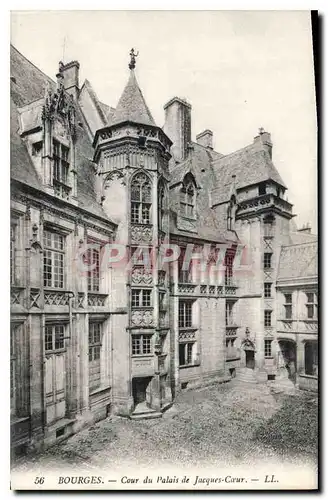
<point>240,70</point>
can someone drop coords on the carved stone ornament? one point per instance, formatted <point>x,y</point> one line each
<point>114,175</point>
<point>142,318</point>
<point>62,104</point>
<point>248,344</point>
<point>141,234</point>
<point>141,275</point>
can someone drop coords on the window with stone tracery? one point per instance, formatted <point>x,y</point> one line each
<point>188,197</point>
<point>140,199</point>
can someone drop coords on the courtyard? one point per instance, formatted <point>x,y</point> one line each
<point>222,425</point>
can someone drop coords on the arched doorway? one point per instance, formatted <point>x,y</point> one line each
<point>287,357</point>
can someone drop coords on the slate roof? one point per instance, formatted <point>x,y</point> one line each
<point>28,84</point>
<point>299,237</point>
<point>211,224</point>
<point>132,105</point>
<point>298,261</point>
<point>251,165</point>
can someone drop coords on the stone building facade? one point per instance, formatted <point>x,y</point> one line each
<point>93,335</point>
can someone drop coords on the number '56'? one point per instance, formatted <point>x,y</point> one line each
<point>39,480</point>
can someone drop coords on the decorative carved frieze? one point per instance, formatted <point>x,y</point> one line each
<point>141,233</point>
<point>311,325</point>
<point>60,103</point>
<point>114,175</point>
<point>187,335</point>
<point>211,290</point>
<point>141,276</point>
<point>231,290</point>
<point>34,297</point>
<point>96,299</point>
<point>56,298</point>
<point>187,288</point>
<point>142,317</point>
<point>231,331</point>
<point>16,296</point>
<point>203,289</point>
<point>80,300</point>
<point>268,331</point>
<point>220,290</point>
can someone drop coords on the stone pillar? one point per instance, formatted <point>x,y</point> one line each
<point>35,326</point>
<point>47,153</point>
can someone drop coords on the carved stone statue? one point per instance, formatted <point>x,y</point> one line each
<point>133,56</point>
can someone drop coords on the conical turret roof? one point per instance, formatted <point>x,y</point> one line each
<point>132,105</point>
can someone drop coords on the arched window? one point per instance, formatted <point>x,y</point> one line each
<point>140,199</point>
<point>161,205</point>
<point>188,197</point>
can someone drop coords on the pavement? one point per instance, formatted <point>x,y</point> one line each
<point>214,424</point>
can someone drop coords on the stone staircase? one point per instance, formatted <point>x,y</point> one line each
<point>246,376</point>
<point>143,412</point>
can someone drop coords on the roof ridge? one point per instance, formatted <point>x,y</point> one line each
<point>235,152</point>
<point>315,242</point>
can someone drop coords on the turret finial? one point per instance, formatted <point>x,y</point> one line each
<point>133,56</point>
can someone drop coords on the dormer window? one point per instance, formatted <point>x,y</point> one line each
<point>188,198</point>
<point>60,169</point>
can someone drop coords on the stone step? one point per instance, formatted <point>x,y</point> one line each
<point>146,416</point>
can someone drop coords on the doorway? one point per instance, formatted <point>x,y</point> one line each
<point>250,359</point>
<point>288,355</point>
<point>140,389</point>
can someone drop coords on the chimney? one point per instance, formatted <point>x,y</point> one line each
<point>264,139</point>
<point>205,139</point>
<point>178,126</point>
<point>305,229</point>
<point>70,75</point>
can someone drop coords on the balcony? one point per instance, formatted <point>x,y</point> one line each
<point>265,201</point>
<point>298,326</point>
<point>230,288</point>
<point>187,288</point>
<point>96,299</point>
<point>56,298</point>
<point>187,334</point>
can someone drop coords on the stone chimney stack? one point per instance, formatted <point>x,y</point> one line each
<point>205,139</point>
<point>70,74</point>
<point>264,140</point>
<point>178,126</point>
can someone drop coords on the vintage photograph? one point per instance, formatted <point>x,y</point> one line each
<point>163,250</point>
